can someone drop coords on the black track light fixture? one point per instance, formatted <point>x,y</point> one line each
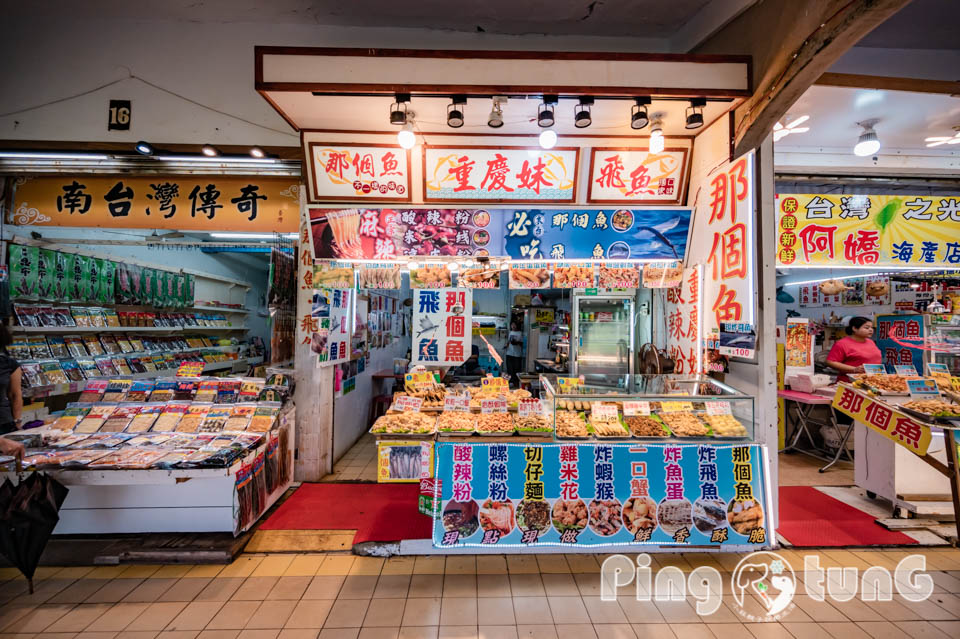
<point>581,114</point>
<point>144,148</point>
<point>638,113</point>
<point>455,111</point>
<point>545,116</point>
<point>695,113</point>
<point>398,110</point>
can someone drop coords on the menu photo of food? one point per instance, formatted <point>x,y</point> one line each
<point>573,275</point>
<point>569,514</point>
<point>525,275</point>
<point>618,275</point>
<point>479,276</point>
<point>799,341</point>
<point>674,514</point>
<point>709,515</point>
<point>431,276</point>
<point>662,274</point>
<point>461,517</point>
<point>328,274</point>
<point>533,514</point>
<point>497,515</point>
<point>605,516</point>
<point>744,516</point>
<point>640,513</point>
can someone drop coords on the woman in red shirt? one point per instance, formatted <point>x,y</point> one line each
<point>849,354</point>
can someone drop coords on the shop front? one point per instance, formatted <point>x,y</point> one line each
<point>568,324</point>
<point>154,387</point>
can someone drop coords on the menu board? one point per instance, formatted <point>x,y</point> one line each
<point>442,326</point>
<point>573,275</point>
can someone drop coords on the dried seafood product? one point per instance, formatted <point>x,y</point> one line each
<point>685,424</point>
<point>456,422</point>
<point>644,426</point>
<point>494,423</point>
<point>533,423</point>
<point>409,423</point>
<point>570,424</point>
<point>726,425</point>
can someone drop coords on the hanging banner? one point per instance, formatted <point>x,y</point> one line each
<point>724,232</point>
<point>886,230</point>
<point>442,326</point>
<point>368,172</point>
<point>901,327</point>
<point>529,234</point>
<point>634,176</point>
<point>500,174</point>
<point>884,419</point>
<point>185,203</point>
<point>684,323</point>
<point>333,310</point>
<point>594,494</point>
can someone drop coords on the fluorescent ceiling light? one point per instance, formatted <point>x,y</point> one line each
<point>251,236</point>
<point>203,158</point>
<point>49,155</point>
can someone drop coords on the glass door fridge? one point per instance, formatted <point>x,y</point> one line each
<point>602,345</point>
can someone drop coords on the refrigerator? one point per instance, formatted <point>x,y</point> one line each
<point>602,344</point>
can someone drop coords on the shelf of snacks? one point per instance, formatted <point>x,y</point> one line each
<point>222,309</point>
<point>650,408</point>
<point>41,319</point>
<point>232,438</point>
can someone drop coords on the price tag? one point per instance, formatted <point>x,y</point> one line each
<point>923,388</point>
<point>456,403</point>
<point>190,369</point>
<point>493,405</point>
<point>636,408</point>
<point>528,407</point>
<point>406,403</point>
<point>874,369</point>
<point>600,410</point>
<point>567,384</point>
<point>718,408</point>
<point>494,383</point>
<point>905,369</point>
<point>412,380</point>
<point>676,407</point>
<point>939,372</point>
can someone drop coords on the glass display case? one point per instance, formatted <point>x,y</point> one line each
<point>944,330</point>
<point>603,341</point>
<point>648,407</point>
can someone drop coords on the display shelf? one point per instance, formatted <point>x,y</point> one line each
<point>219,349</point>
<point>222,309</point>
<point>123,329</point>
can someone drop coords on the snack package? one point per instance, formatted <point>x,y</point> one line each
<point>228,392</point>
<point>52,371</point>
<point>69,419</point>
<point>186,388</point>
<point>93,345</point>
<point>191,421</point>
<point>72,370</point>
<point>108,273</point>
<point>189,295</point>
<point>93,390</point>
<point>46,316</point>
<point>123,368</point>
<point>140,390</point>
<point>124,288</point>
<point>216,420</point>
<point>117,390</point>
<point>46,272</point>
<point>96,265</point>
<point>263,418</point>
<point>124,344</point>
<point>88,367</point>
<point>81,316</point>
<point>109,343</point>
<point>24,272</point>
<point>64,318</point>
<point>20,348</point>
<point>97,318</point>
<point>39,348</point>
<point>105,366</point>
<point>170,417</point>
<point>95,419</point>
<point>60,279</point>
<point>26,315</point>
<point>57,346</point>
<point>119,419</point>
<point>148,278</point>
<point>145,418</point>
<point>160,289</point>
<point>240,417</point>
<point>136,365</point>
<point>136,283</point>
<point>32,375</point>
<point>111,317</point>
<point>81,277</point>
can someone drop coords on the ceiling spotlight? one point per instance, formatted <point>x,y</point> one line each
<point>545,112</point>
<point>257,152</point>
<point>656,137</point>
<point>581,114</point>
<point>638,113</point>
<point>548,139</point>
<point>144,148</point>
<point>455,111</point>
<point>406,137</point>
<point>695,113</point>
<point>495,120</point>
<point>780,131</point>
<point>869,143</point>
<point>398,110</point>
<point>209,150</point>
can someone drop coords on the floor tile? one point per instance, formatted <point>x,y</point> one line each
<point>304,566</point>
<point>501,632</point>
<point>882,630</point>
<point>526,585</point>
<point>259,634</point>
<point>495,611</point>
<point>358,587</point>
<point>418,632</point>
<point>218,589</point>
<point>78,591</point>
<point>117,617</point>
<point>78,618</point>
<point>114,590</point>
<point>457,632</point>
<point>336,565</point>
<point>921,630</point>
<point>347,613</point>
<point>378,633</point>
<point>493,585</point>
<point>309,613</point>
<point>369,566</point>
<point>616,631</point>
<point>460,585</point>
<point>422,611</point>
<point>536,631</point>
<point>640,612</point>
<point>844,630</point>
<point>195,616</point>
<point>339,633</point>
<point>185,589</point>
<point>461,565</point>
<point>458,611</point>
<point>157,616</point>
<point>139,571</point>
<point>273,566</point>
<point>289,588</point>
<point>255,588</point>
<point>242,566</point>
<point>560,585</point>
<point>576,631</point>
<point>522,564</point>
<point>491,565</point>
<point>234,615</point>
<point>385,613</point>
<point>206,570</point>
<point>398,566</point>
<point>807,630</point>
<point>426,586</point>
<point>298,633</point>
<point>392,586</point>
<point>532,611</point>
<point>324,587</point>
<point>150,590</point>
<point>568,610</point>
<point>218,634</point>
<point>271,614</point>
<point>174,571</point>
<point>432,565</point>
<point>38,618</point>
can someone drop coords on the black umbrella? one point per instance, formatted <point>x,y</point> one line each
<point>27,521</point>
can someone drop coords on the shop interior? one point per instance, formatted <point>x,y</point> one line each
<point>909,297</point>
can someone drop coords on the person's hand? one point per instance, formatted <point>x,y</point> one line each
<point>10,447</point>
<point>858,369</point>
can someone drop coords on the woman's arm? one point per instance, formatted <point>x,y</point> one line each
<point>10,447</point>
<point>844,368</point>
<point>15,393</point>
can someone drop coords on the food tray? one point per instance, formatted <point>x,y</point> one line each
<point>651,437</point>
<point>456,433</point>
<point>575,437</point>
<point>947,422</point>
<point>674,433</point>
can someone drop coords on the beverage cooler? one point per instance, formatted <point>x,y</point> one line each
<point>603,343</point>
<point>945,331</point>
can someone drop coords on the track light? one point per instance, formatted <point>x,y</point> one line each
<point>495,120</point>
<point>695,113</point>
<point>548,139</point>
<point>398,110</point>
<point>406,137</point>
<point>455,111</point>
<point>656,137</point>
<point>545,113</point>
<point>869,143</point>
<point>638,113</point>
<point>210,151</point>
<point>257,152</point>
<point>144,148</point>
<point>581,114</point>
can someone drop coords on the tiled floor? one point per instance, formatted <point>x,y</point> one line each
<point>358,464</point>
<point>339,596</point>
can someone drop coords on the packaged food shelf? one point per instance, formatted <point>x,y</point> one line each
<point>123,329</point>
<point>222,309</point>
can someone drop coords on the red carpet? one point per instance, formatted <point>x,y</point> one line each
<point>810,518</point>
<point>378,512</point>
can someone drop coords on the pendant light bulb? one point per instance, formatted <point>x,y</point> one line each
<point>868,143</point>
<point>548,139</point>
<point>406,137</point>
<point>656,138</point>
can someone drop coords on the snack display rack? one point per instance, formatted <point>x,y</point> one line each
<point>168,455</point>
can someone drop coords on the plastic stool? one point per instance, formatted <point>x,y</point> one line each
<point>380,405</point>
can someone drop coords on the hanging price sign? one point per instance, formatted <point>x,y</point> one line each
<point>493,405</point>
<point>405,403</point>
<point>497,383</point>
<point>457,403</point>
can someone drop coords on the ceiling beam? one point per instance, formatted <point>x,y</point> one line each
<point>792,46</point>
<point>886,83</point>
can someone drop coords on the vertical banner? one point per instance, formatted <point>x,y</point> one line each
<point>900,327</point>
<point>684,323</point>
<point>442,326</point>
<point>333,310</point>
